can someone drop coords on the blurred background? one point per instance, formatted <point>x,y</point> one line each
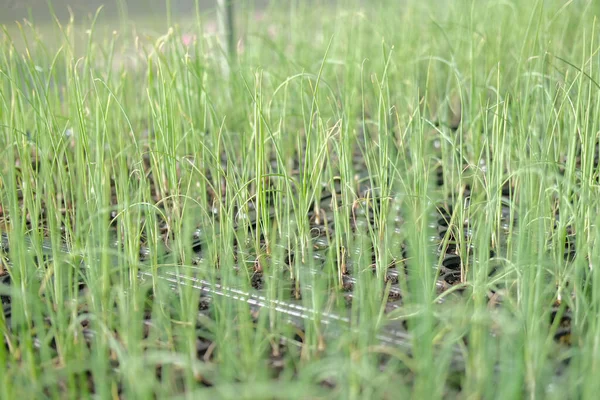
<point>38,11</point>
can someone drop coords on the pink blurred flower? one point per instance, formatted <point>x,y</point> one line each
<point>272,31</point>
<point>188,39</point>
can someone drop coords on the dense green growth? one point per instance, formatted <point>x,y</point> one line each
<point>147,139</point>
